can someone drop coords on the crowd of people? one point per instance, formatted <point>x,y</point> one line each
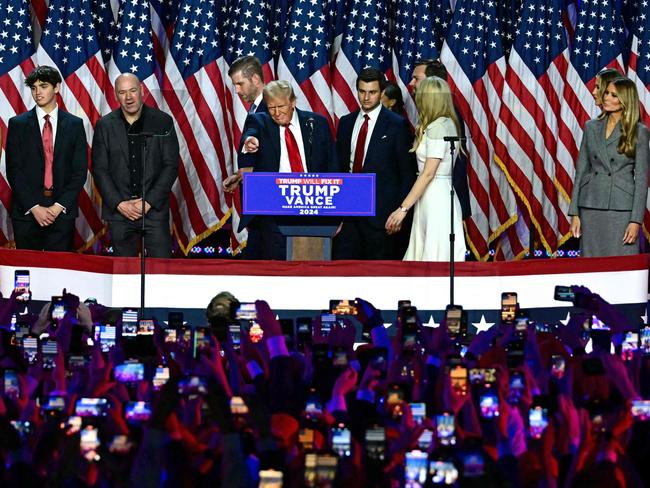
<point>95,397</point>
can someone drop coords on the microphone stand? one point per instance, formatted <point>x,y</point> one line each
<point>143,154</point>
<point>452,140</point>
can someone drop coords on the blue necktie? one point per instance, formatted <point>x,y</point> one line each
<point>252,109</point>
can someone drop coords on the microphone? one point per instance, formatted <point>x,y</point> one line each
<point>454,139</point>
<point>310,126</point>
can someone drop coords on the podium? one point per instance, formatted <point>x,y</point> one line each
<point>308,205</point>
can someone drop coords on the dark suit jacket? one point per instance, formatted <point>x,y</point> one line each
<point>26,163</point>
<point>388,156</point>
<point>317,143</point>
<point>110,157</point>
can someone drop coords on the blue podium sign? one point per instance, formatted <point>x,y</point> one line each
<point>328,194</point>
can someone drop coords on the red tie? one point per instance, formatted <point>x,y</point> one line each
<point>292,150</point>
<point>360,149</point>
<point>48,149</point>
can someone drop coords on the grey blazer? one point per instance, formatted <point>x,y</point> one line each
<point>607,180</point>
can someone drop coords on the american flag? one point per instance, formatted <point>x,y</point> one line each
<point>419,33</point>
<point>69,43</point>
<point>526,143</point>
<point>473,55</point>
<point>16,50</point>
<point>194,93</point>
<point>105,22</point>
<point>250,32</point>
<point>364,43</point>
<point>38,14</point>
<point>639,72</point>
<point>304,60</point>
<point>132,50</point>
<point>599,43</point>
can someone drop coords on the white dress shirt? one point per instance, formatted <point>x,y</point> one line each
<point>294,127</point>
<point>373,115</point>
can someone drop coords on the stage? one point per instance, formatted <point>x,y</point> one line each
<point>297,288</point>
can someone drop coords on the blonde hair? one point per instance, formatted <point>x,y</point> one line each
<point>279,89</point>
<point>433,100</point>
<point>629,99</point>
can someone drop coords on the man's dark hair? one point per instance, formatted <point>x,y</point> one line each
<point>433,67</point>
<point>368,75</point>
<point>43,73</point>
<point>221,308</point>
<point>248,66</point>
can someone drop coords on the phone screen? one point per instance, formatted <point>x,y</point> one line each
<point>418,411</point>
<point>538,421</point>
<point>375,443</point>
<point>564,294</point>
<point>630,345</point>
<point>129,322</point>
<point>201,340</point>
<point>415,473</point>
<point>21,285</point>
<point>107,336</point>
<point>57,308</point>
<point>327,321</point>
<point>49,349</point>
<point>91,407</point>
<point>137,412</point>
<point>508,307</point>
<point>641,409</point>
<point>558,363</point>
<point>489,405</point>
<point>129,372</point>
<point>445,428</point>
<point>30,348</point>
<point>11,385</point>
<point>341,440</point>
<point>246,311</point>
<point>453,318</point>
<point>160,377</point>
<point>270,478</point>
<point>343,307</point>
<point>458,376</point>
<point>443,472</point>
<point>89,443</point>
<point>145,327</point>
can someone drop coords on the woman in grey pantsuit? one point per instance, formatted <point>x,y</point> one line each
<point>611,181</point>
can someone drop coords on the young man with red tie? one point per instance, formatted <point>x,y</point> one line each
<point>285,140</point>
<point>47,165</point>
<point>374,140</point>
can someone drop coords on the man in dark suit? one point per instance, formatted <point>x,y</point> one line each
<point>117,168</point>
<point>374,140</point>
<point>47,165</point>
<point>247,76</point>
<point>433,67</point>
<point>283,140</point>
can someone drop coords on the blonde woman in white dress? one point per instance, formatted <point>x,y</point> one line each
<point>429,195</point>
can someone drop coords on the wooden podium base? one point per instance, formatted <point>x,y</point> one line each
<point>308,249</point>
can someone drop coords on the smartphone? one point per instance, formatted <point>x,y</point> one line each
<point>458,377</point>
<point>521,324</point>
<point>137,412</point>
<point>537,421</point>
<point>256,333</point>
<point>175,320</point>
<point>246,311</point>
<point>57,309</point>
<point>339,357</point>
<point>120,444</point>
<point>409,317</point>
<point>564,294</point>
<point>379,360</point>
<point>558,365</point>
<point>446,428</point>
<point>306,439</point>
<point>644,339</point>
<point>443,472</point>
<point>418,411</point>
<point>78,362</point>
<point>160,377</point>
<point>89,443</point>
<point>91,407</point>
<point>517,381</point>
<point>415,472</point>
<point>286,325</point>
<point>394,400</point>
<point>489,404</point>
<point>201,340</point>
<point>129,322</point>
<point>270,478</point>
<point>49,351</point>
<point>30,348</point>
<point>402,303</point>
<point>11,385</point>
<point>107,337</point>
<point>303,332</point>
<point>129,372</point>
<point>341,440</point>
<point>453,319</point>
<point>145,327</point>
<point>327,321</point>
<point>313,405</point>
<point>54,404</point>
<point>601,340</point>
<point>515,353</point>
<point>641,409</point>
<point>482,376</point>
<point>343,307</point>
<point>21,285</point>
<point>630,345</point>
<point>376,443</point>
<point>508,307</point>
<point>192,385</point>
<point>235,334</point>
<point>473,462</point>
<point>238,406</point>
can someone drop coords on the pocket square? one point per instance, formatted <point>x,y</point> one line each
<point>384,137</point>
